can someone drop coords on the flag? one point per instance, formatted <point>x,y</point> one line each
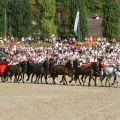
<point>76,22</point>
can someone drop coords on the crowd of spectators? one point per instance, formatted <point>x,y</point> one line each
<point>62,52</point>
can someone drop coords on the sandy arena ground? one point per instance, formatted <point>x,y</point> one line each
<point>28,101</point>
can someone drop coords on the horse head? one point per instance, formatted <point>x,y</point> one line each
<point>75,63</point>
<point>51,64</point>
<point>69,65</point>
<point>96,67</point>
<point>23,65</point>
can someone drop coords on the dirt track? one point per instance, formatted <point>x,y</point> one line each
<point>58,102</point>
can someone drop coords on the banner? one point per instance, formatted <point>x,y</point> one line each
<point>76,22</point>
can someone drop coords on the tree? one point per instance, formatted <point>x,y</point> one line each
<point>35,17</point>
<point>21,18</point>
<point>83,22</point>
<point>47,17</point>
<point>62,18</point>
<point>3,6</point>
<point>94,7</point>
<point>111,19</point>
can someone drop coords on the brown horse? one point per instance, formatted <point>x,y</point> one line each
<point>87,70</point>
<point>13,70</point>
<point>60,70</point>
<point>97,68</point>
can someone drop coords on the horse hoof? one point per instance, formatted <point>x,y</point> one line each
<point>70,81</point>
<point>61,81</point>
<point>46,83</point>
<point>54,83</point>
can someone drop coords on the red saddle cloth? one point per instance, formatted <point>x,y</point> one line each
<point>86,65</point>
<point>3,66</point>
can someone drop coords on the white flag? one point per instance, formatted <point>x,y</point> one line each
<point>76,22</point>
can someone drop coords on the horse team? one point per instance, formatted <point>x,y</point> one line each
<point>75,70</point>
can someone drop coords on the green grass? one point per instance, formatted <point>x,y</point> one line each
<point>41,44</point>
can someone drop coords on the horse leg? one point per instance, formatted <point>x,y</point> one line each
<point>109,81</point>
<point>65,81</point>
<point>79,81</point>
<point>115,77</point>
<point>41,78</point>
<point>95,81</point>
<point>15,79</point>
<point>62,79</point>
<point>45,76</point>
<point>101,81</point>
<point>19,77</point>
<point>53,77</point>
<point>106,81</point>
<point>10,77</point>
<point>89,81</point>
<point>71,79</point>
<point>117,80</point>
<point>76,82</point>
<point>36,78</point>
<point>4,78</point>
<point>83,80</point>
<point>23,78</point>
<point>32,78</point>
<point>28,75</point>
<point>116,83</point>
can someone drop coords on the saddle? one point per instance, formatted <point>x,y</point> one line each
<point>86,65</point>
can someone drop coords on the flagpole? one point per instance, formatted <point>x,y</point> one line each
<point>76,25</point>
<point>5,22</point>
<point>79,28</point>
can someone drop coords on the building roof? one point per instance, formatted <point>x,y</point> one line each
<point>94,26</point>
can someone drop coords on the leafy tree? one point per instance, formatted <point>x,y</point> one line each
<point>3,6</point>
<point>20,18</point>
<point>47,15</point>
<point>83,22</point>
<point>35,17</point>
<point>94,7</point>
<point>111,19</point>
<point>62,18</point>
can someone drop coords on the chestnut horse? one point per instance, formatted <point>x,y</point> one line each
<point>87,70</point>
<point>61,70</point>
